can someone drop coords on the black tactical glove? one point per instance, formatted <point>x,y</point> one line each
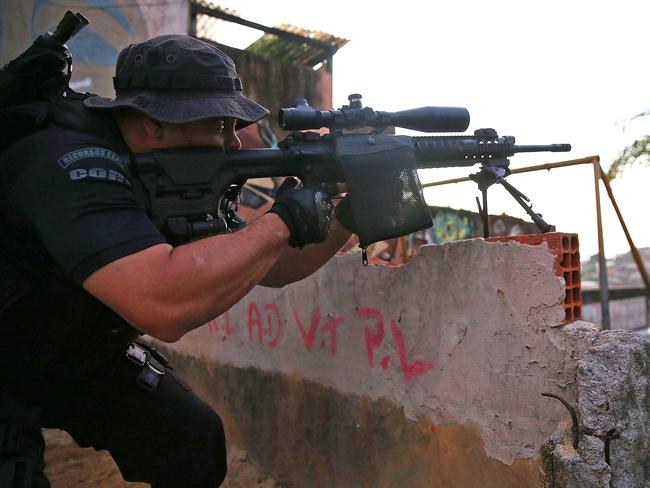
<point>305,211</point>
<point>344,215</point>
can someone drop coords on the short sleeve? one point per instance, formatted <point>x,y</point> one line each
<point>78,196</point>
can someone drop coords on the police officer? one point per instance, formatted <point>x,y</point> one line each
<point>85,272</point>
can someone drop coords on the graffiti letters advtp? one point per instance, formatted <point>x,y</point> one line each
<point>265,327</point>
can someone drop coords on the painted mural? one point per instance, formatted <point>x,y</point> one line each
<point>451,225</point>
<point>114,24</point>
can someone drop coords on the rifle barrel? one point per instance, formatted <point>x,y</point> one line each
<point>544,148</point>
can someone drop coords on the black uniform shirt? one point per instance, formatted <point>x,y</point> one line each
<point>72,192</point>
<point>69,206</point>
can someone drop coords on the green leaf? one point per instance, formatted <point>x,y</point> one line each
<point>636,153</point>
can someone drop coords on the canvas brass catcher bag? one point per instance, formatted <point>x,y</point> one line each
<point>383,186</point>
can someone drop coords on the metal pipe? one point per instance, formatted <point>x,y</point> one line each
<point>635,252</point>
<point>539,167</point>
<point>602,264</point>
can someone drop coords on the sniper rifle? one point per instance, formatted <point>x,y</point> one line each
<point>193,192</point>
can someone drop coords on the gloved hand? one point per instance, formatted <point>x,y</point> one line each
<point>343,213</point>
<point>306,212</point>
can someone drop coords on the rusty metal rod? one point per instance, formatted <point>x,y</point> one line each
<point>635,252</point>
<point>527,169</point>
<point>575,427</point>
<point>602,263</point>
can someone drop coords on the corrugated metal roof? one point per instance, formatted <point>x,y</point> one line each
<point>292,50</point>
<point>286,42</point>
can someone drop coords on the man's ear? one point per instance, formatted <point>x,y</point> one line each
<point>152,128</point>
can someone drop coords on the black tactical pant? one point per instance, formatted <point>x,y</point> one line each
<point>165,436</point>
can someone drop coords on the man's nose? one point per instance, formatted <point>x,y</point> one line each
<point>231,141</point>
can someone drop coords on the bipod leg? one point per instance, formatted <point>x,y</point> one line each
<point>484,179</point>
<point>483,211</point>
<point>522,200</point>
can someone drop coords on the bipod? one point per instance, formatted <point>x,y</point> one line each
<point>496,173</point>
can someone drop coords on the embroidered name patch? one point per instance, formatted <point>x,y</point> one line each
<point>98,174</point>
<point>89,152</point>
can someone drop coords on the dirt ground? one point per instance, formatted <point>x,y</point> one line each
<point>69,466</point>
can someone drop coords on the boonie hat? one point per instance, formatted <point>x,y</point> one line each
<point>177,79</point>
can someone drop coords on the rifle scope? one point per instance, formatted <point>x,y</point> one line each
<point>423,119</point>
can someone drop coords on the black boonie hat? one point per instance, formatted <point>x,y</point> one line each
<point>177,79</point>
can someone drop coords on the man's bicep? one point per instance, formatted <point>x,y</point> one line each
<point>137,287</point>
<point>151,292</point>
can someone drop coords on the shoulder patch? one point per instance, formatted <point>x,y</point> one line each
<point>89,152</point>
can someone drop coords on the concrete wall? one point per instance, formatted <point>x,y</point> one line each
<point>445,397</point>
<point>425,375</point>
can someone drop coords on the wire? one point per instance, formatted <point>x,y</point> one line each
<point>107,7</point>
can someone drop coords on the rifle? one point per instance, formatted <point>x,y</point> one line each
<point>193,192</point>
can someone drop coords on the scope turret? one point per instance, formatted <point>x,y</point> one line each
<point>423,119</point>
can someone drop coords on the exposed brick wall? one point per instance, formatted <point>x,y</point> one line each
<point>276,84</point>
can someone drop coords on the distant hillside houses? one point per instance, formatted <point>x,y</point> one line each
<point>622,271</point>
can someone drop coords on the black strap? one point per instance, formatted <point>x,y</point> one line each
<point>174,81</point>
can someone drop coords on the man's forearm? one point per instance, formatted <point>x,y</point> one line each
<point>296,264</point>
<point>167,291</point>
<point>243,260</point>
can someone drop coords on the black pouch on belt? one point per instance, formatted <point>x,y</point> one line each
<point>152,363</point>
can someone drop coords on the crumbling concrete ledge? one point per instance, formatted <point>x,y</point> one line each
<point>612,406</point>
<point>427,375</point>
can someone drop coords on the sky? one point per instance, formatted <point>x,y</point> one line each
<point>545,72</point>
